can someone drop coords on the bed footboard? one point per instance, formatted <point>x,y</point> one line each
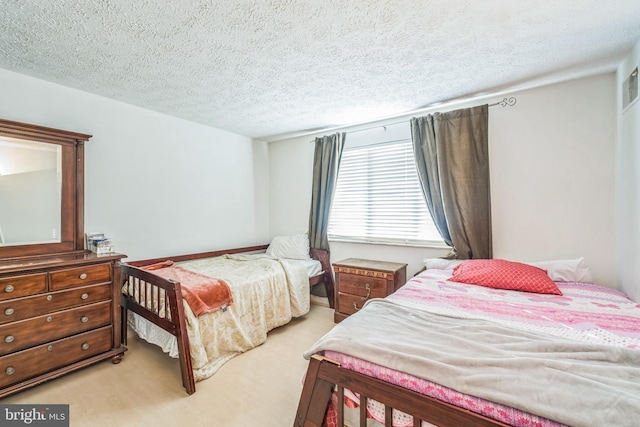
<point>325,375</point>
<point>159,301</point>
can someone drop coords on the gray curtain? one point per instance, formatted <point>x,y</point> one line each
<point>452,157</point>
<point>326,160</point>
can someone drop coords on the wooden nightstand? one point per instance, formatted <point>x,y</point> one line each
<point>358,280</point>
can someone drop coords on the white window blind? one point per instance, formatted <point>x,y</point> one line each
<point>378,198</point>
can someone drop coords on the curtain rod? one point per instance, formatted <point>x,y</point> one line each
<point>506,102</point>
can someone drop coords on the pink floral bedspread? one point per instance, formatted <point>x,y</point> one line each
<point>584,312</point>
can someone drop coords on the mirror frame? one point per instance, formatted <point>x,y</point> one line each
<point>72,195</point>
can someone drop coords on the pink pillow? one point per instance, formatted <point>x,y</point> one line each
<point>501,274</point>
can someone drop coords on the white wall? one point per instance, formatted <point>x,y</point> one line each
<point>552,175</point>
<point>155,184</point>
<point>628,184</point>
<point>552,180</point>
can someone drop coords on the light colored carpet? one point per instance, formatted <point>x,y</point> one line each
<point>258,388</point>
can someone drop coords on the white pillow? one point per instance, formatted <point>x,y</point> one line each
<point>566,270</point>
<point>293,247</point>
<point>563,270</point>
<point>442,264</point>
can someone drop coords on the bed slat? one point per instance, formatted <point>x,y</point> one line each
<point>340,405</point>
<point>363,410</point>
<point>388,415</point>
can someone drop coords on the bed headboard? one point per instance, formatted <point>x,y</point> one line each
<point>211,254</point>
<point>324,258</point>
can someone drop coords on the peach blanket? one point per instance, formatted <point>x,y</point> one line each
<point>204,294</point>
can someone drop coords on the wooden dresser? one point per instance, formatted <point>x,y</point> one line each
<point>58,313</point>
<point>358,280</point>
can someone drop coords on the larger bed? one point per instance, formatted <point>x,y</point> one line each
<point>445,353</point>
<point>247,293</point>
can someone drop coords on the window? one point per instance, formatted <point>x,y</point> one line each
<point>378,198</point>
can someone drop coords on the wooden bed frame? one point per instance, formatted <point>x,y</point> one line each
<point>325,375</point>
<point>150,285</point>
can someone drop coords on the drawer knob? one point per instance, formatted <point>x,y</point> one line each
<point>8,312</point>
<point>9,370</point>
<point>83,276</point>
<point>355,306</point>
<point>49,319</point>
<point>9,288</point>
<point>84,319</point>
<point>85,346</point>
<point>8,339</point>
<point>84,296</point>
<point>50,348</point>
<point>49,297</point>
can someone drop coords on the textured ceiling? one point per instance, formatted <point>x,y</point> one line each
<point>275,67</point>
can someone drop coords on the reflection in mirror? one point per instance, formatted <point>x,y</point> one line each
<point>30,192</point>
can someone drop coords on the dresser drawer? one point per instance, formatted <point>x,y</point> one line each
<point>23,308</point>
<point>365,286</point>
<point>19,286</point>
<point>27,333</point>
<point>29,363</point>
<point>80,276</point>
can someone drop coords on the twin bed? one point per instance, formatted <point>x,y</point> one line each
<point>254,292</point>
<point>441,352</point>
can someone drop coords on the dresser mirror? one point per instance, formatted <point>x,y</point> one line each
<point>30,190</point>
<point>41,190</point>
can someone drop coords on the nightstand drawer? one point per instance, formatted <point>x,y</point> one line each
<point>364,286</point>
<point>349,304</point>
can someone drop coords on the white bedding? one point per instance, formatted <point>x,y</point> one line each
<point>313,266</point>
<point>268,292</point>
